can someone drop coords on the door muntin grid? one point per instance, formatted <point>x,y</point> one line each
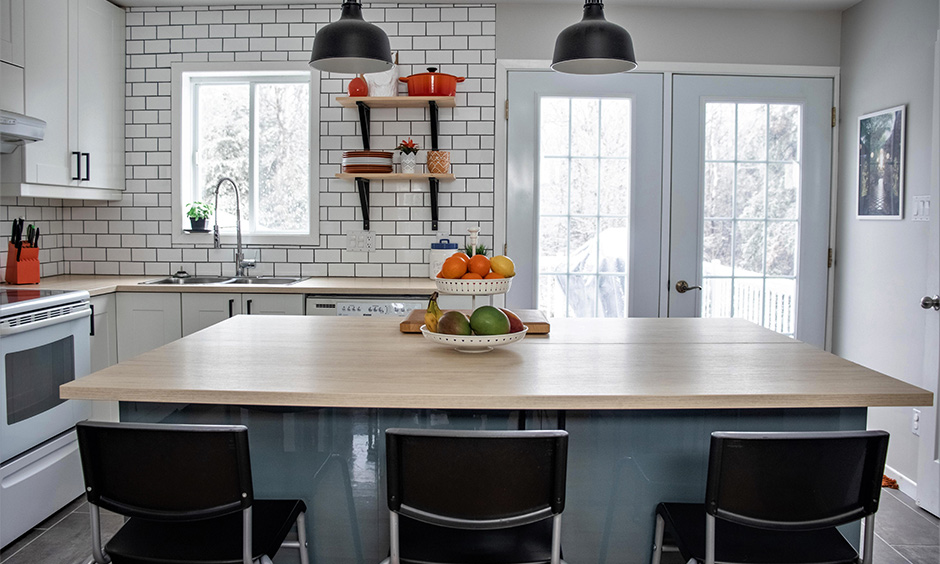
<point>750,213</point>
<point>585,171</point>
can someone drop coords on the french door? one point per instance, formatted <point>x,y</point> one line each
<point>748,208</point>
<point>751,169</point>
<point>585,193</point>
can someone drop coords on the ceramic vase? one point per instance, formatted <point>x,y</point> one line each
<point>408,162</point>
<point>439,162</point>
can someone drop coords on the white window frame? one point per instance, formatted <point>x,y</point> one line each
<point>182,135</point>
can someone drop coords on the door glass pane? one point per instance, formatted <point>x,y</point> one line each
<point>584,186</point>
<point>751,188</point>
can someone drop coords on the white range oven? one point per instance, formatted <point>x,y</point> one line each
<point>44,343</point>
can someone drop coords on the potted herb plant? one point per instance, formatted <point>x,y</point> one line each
<point>409,155</point>
<point>198,213</point>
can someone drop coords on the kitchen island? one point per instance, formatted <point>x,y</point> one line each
<point>638,396</point>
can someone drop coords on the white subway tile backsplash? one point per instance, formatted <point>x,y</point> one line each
<point>133,236</point>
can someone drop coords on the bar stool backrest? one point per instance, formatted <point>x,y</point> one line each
<point>476,479</point>
<point>795,481</point>
<point>166,472</point>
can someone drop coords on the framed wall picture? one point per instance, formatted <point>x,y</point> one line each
<point>881,164</point>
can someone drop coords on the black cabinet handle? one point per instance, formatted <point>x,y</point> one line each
<point>87,166</point>
<point>78,165</point>
<point>92,319</point>
<point>249,307</point>
<point>231,308</point>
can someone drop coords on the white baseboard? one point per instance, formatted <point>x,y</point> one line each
<point>905,484</point>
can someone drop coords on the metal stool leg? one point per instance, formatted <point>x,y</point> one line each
<point>658,540</point>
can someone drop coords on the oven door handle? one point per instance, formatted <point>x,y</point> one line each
<point>5,330</point>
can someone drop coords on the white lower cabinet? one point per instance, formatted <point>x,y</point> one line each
<point>273,304</point>
<point>201,310</point>
<point>104,351</point>
<point>145,321</point>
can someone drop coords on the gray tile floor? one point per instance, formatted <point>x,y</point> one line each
<point>904,534</point>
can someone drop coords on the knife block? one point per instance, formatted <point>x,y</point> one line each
<point>25,270</point>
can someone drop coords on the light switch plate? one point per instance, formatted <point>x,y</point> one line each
<point>359,240</point>
<point>921,208</point>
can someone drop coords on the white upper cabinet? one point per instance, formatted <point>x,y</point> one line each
<point>74,66</point>
<point>99,58</point>
<point>11,32</point>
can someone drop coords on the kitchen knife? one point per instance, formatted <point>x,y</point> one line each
<point>36,238</point>
<point>29,234</point>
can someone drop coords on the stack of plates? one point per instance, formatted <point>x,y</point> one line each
<point>367,161</point>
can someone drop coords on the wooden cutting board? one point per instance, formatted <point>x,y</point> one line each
<point>534,319</point>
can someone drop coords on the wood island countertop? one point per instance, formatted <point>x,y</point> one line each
<point>581,365</point>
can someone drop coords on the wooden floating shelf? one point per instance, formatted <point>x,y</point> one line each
<point>394,176</point>
<point>397,101</point>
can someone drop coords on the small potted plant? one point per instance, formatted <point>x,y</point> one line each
<point>198,213</point>
<point>409,155</point>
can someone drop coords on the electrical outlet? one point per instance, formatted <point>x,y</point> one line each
<point>915,422</point>
<point>358,240</point>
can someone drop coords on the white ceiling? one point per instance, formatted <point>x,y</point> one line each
<point>819,5</point>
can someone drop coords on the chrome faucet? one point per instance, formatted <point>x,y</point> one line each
<point>241,265</point>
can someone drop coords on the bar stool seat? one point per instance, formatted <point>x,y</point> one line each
<point>752,544</point>
<point>142,541</point>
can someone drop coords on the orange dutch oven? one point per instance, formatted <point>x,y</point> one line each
<point>432,83</point>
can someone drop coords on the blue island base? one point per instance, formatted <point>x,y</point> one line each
<point>620,465</point>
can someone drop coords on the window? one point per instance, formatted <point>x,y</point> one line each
<point>253,124</point>
<point>584,206</point>
<point>752,171</point>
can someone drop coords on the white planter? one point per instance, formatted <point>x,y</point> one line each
<point>408,162</point>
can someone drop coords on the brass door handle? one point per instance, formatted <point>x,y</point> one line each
<point>682,287</point>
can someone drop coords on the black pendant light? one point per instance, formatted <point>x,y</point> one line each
<point>594,45</point>
<point>351,45</point>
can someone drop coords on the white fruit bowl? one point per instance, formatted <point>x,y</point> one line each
<point>474,287</point>
<point>473,343</point>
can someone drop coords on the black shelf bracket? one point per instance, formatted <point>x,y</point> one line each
<point>432,106</point>
<point>435,188</point>
<point>364,120</point>
<point>363,185</point>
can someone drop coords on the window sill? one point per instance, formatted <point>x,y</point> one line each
<point>247,239</point>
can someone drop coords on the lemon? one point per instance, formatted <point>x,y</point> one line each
<point>503,265</point>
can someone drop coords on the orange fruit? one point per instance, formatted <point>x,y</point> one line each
<point>453,268</point>
<point>471,276</point>
<point>462,256</point>
<point>479,264</point>
<point>493,276</point>
<point>440,274</point>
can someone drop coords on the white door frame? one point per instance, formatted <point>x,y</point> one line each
<point>504,66</point>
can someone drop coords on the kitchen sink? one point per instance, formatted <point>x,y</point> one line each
<point>198,280</point>
<point>192,280</point>
<point>265,280</point>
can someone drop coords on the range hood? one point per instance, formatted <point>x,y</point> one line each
<point>17,129</point>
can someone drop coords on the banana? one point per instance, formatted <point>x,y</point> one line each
<point>433,314</point>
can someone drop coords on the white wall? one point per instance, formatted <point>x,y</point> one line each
<point>528,31</point>
<point>887,60</point>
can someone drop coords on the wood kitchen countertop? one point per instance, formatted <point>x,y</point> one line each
<point>98,284</point>
<point>582,365</point>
